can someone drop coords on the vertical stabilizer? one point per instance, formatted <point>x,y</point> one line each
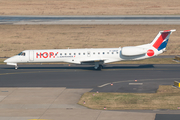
<point>161,40</point>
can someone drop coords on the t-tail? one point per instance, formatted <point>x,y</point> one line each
<point>156,47</point>
<point>160,42</point>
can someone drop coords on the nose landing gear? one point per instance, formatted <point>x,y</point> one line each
<point>16,67</point>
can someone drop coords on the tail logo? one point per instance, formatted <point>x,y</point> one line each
<point>163,45</point>
<point>150,52</point>
<point>160,43</point>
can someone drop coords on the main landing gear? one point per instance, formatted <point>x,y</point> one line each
<point>98,66</point>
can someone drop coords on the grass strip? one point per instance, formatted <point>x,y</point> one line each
<point>167,97</point>
<point>89,7</point>
<point>16,38</point>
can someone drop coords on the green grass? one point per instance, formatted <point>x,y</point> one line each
<point>167,97</point>
<point>2,60</point>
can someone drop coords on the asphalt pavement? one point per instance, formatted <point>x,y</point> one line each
<point>56,88</point>
<point>125,78</point>
<point>59,87</point>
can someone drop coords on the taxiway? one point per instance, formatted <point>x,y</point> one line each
<point>121,19</point>
<point>51,91</point>
<point>82,76</point>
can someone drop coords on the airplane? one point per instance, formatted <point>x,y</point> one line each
<point>94,56</point>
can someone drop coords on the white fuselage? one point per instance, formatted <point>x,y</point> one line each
<point>77,56</point>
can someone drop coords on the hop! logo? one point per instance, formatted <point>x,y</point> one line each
<point>46,55</point>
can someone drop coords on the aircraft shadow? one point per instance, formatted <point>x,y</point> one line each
<point>106,67</point>
<point>130,67</point>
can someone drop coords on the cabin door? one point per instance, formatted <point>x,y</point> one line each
<point>31,55</point>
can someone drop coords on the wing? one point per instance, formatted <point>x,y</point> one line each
<point>92,62</point>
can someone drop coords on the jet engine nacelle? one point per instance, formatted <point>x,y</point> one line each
<point>133,51</point>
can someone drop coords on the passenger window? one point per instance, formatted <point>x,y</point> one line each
<point>64,53</point>
<point>117,52</point>
<point>107,52</point>
<point>94,53</point>
<point>83,53</point>
<point>74,53</point>
<point>69,53</point>
<point>60,53</point>
<point>79,53</point>
<point>98,53</point>
<point>103,53</point>
<point>112,52</point>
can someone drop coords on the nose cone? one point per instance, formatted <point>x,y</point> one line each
<point>9,60</point>
<point>6,60</point>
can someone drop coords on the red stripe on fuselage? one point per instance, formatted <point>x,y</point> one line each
<point>160,39</point>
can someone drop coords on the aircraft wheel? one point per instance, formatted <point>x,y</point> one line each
<point>16,67</point>
<point>100,67</point>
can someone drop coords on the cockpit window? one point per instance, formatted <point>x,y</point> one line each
<point>22,54</point>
